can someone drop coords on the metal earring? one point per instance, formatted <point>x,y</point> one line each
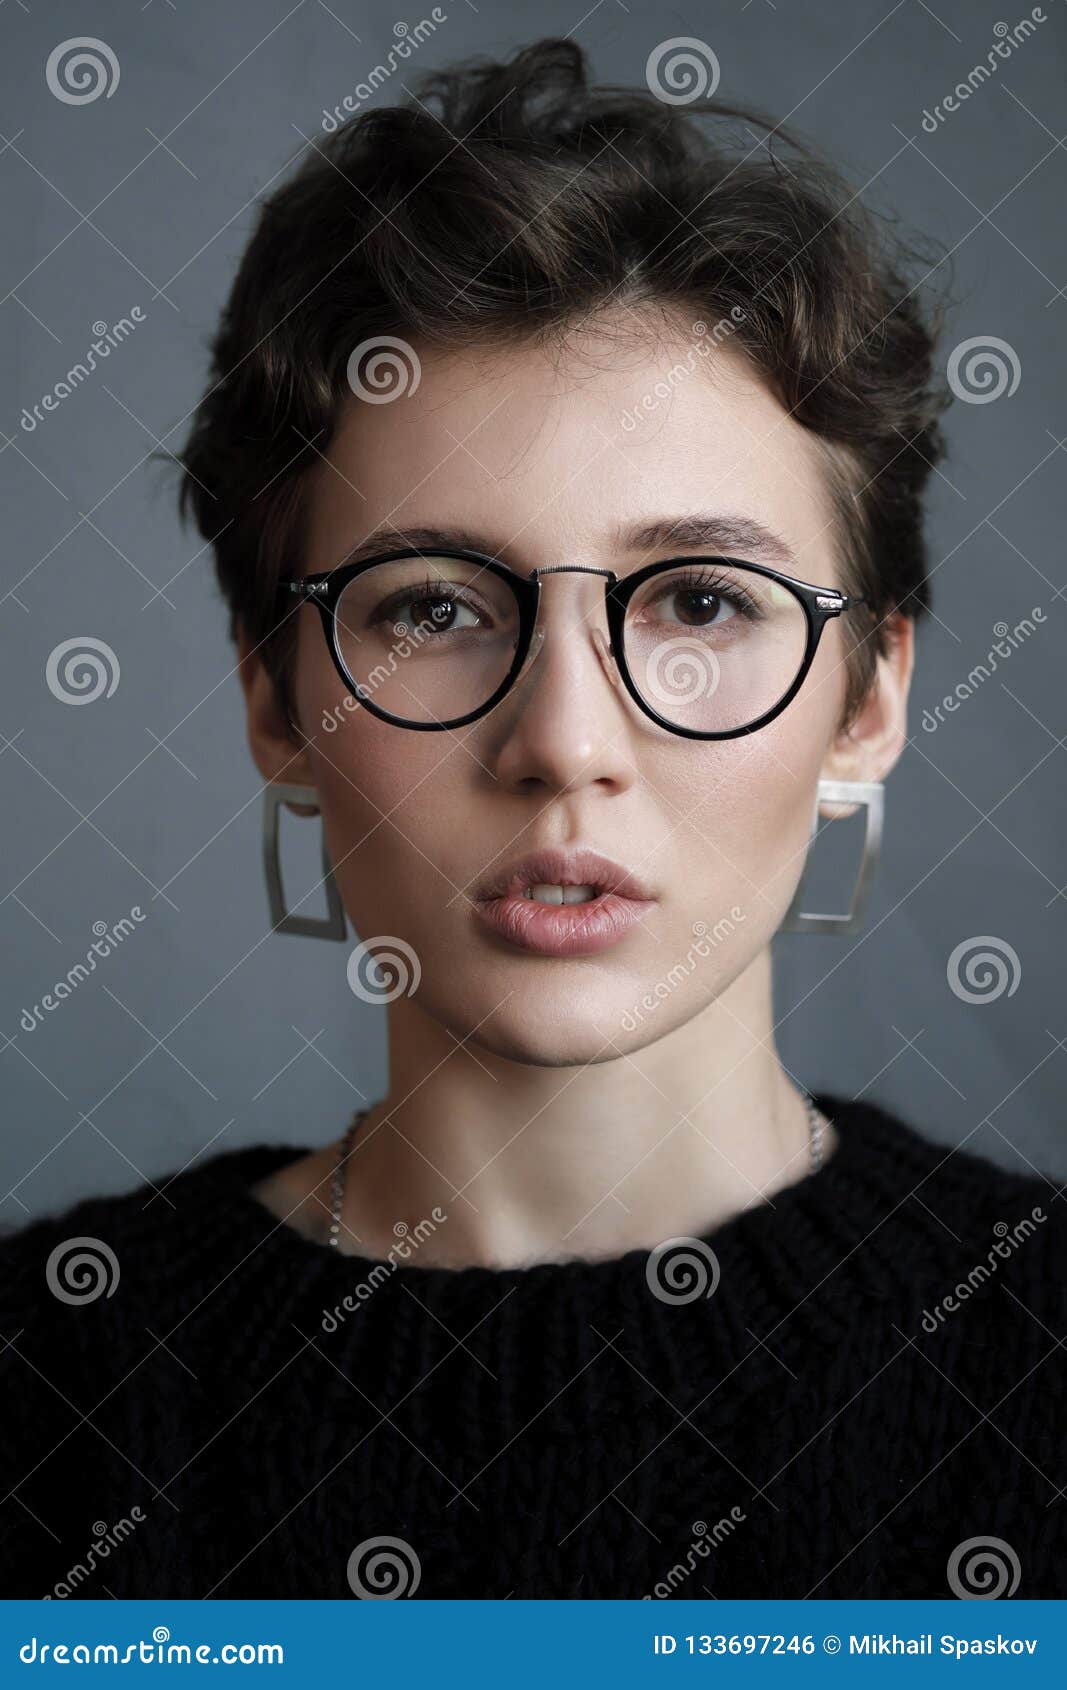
<point>869,793</point>
<point>330,926</point>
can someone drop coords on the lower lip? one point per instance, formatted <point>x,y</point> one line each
<point>563,929</point>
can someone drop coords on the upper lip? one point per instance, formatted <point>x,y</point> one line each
<point>578,866</point>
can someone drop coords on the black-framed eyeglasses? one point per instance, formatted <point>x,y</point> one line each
<point>708,647</point>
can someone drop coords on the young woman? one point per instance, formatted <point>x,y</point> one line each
<point>563,467</point>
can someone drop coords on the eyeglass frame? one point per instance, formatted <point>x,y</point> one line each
<point>820,605</point>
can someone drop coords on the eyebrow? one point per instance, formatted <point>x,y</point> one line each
<point>721,531</point>
<point>724,533</point>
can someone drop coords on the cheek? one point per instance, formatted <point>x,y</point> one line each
<point>366,772</point>
<point>389,808</point>
<point>736,816</point>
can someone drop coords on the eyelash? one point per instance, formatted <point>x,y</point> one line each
<point>711,580</point>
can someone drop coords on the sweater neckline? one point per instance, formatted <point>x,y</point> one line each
<point>794,1269</point>
<point>842,1187</point>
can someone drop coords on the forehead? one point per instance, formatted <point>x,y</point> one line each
<point>547,453</point>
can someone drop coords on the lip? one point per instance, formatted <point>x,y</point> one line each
<point>562,929</point>
<point>554,866</point>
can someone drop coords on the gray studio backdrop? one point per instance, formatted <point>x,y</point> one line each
<point>201,1030</point>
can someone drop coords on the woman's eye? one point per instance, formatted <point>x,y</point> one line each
<point>435,613</point>
<point>696,607</point>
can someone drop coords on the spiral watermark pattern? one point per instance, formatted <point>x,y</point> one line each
<point>680,671</point>
<point>681,1270</point>
<point>383,369</point>
<point>383,1568</point>
<point>982,969</point>
<point>366,978</point>
<point>90,670</point>
<point>81,69</point>
<point>982,369</point>
<point>983,1569</point>
<point>681,70</point>
<point>81,1270</point>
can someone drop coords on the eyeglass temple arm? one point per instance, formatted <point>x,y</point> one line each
<point>834,603</point>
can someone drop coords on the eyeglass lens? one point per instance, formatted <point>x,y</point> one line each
<point>709,645</point>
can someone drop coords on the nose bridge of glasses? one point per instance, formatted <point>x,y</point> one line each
<point>591,599</point>
<point>593,603</point>
<point>571,569</point>
<point>600,639</point>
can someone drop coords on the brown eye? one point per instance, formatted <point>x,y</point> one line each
<point>697,607</point>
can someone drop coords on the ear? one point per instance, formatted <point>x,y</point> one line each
<point>869,748</point>
<point>278,751</point>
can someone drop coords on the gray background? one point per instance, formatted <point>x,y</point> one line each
<point>204,1031</point>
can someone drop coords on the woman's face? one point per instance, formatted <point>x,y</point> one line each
<point>546,460</point>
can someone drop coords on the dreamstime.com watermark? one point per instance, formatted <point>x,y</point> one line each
<point>705,1539</point>
<point>105,1539</point>
<point>1007,641</point>
<point>156,1651</point>
<point>1003,48</point>
<point>701,947</point>
<point>408,39</point>
<point>705,342</point>
<point>1009,1239</point>
<point>107,939</point>
<point>107,338</point>
<point>408,1240</point>
<point>409,637</point>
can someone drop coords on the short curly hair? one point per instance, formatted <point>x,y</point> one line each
<point>511,200</point>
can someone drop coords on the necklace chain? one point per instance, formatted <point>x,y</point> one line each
<point>337,1183</point>
<point>816,1128</point>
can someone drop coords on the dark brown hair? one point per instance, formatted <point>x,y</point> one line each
<point>510,200</point>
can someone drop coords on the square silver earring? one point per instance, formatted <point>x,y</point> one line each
<point>869,793</point>
<point>330,926</point>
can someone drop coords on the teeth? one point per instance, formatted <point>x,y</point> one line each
<point>560,894</point>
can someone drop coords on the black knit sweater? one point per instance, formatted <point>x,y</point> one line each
<point>823,1423</point>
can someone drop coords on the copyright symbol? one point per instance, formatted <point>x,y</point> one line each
<point>831,1644</point>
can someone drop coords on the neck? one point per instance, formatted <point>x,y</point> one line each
<point>533,1162</point>
<point>590,1160</point>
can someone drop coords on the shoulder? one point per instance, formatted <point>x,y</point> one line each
<point>79,1283</point>
<point>966,1232</point>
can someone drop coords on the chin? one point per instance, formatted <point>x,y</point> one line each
<point>546,1027</point>
<point>581,1047</point>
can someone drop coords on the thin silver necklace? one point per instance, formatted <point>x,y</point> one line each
<point>816,1129</point>
<point>337,1182</point>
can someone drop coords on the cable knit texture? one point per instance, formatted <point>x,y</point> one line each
<point>820,1424</point>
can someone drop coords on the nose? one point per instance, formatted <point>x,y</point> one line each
<point>565,723</point>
